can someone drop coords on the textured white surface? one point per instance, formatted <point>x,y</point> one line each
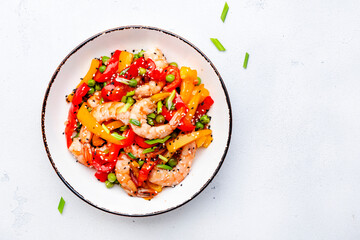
<point>292,171</point>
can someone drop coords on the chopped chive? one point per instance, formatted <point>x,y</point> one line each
<point>163,158</point>
<point>61,205</point>
<point>124,71</point>
<point>149,150</point>
<point>131,155</point>
<point>101,100</point>
<point>141,162</point>
<point>105,128</point>
<point>151,115</point>
<point>217,44</point>
<point>123,99</point>
<point>77,135</point>
<point>118,136</point>
<point>246,60</point>
<point>169,101</point>
<point>159,107</point>
<point>123,128</point>
<point>135,122</point>
<point>160,140</point>
<point>106,151</point>
<point>224,12</point>
<point>129,94</point>
<point>163,166</point>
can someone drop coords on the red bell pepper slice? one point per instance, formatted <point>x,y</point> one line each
<point>80,93</point>
<point>111,68</point>
<point>130,135</point>
<point>145,171</point>
<point>203,107</point>
<point>141,142</point>
<point>101,176</point>
<point>152,72</point>
<point>98,73</point>
<point>133,70</point>
<point>114,92</point>
<point>71,124</point>
<point>177,81</point>
<point>185,125</point>
<point>179,103</point>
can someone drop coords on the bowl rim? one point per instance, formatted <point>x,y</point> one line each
<point>129,27</point>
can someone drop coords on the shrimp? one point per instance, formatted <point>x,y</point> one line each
<point>157,56</point>
<point>110,110</point>
<point>149,89</point>
<point>137,151</point>
<point>123,175</point>
<point>81,151</point>
<point>173,177</point>
<point>94,100</point>
<point>140,111</point>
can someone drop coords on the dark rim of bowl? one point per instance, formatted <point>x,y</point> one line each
<point>54,77</point>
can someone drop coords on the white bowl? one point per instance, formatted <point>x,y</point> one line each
<point>80,179</point>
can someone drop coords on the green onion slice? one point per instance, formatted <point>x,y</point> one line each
<point>106,151</point>
<point>163,166</point>
<point>224,12</point>
<point>169,102</point>
<point>141,162</point>
<point>118,136</point>
<point>246,60</point>
<point>163,158</point>
<point>135,122</point>
<point>217,44</point>
<point>129,94</point>
<point>151,115</point>
<point>159,107</point>
<point>124,71</point>
<point>105,128</point>
<point>149,150</point>
<point>160,140</point>
<point>131,155</point>
<point>61,205</point>
<point>101,100</point>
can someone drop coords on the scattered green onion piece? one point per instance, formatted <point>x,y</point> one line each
<point>123,99</point>
<point>61,205</point>
<point>133,82</point>
<point>105,128</point>
<point>106,151</point>
<point>159,107</point>
<point>118,136</point>
<point>150,121</point>
<point>129,101</point>
<point>160,140</point>
<point>131,155</point>
<point>224,12</point>
<point>135,122</point>
<point>124,71</point>
<point>98,87</point>
<point>141,53</point>
<point>163,166</point>
<point>217,44</point>
<point>141,162</point>
<point>129,94</point>
<point>246,60</point>
<point>111,177</point>
<point>163,158</point>
<point>170,100</point>
<point>123,128</point>
<point>89,109</point>
<point>77,135</point>
<point>151,115</point>
<point>149,150</point>
<point>101,100</point>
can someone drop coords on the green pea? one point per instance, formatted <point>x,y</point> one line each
<point>141,162</point>
<point>123,128</point>
<point>151,115</point>
<point>108,184</point>
<point>160,119</point>
<point>170,78</point>
<point>105,59</point>
<point>123,99</point>
<point>91,83</point>
<point>173,64</point>
<point>97,87</point>
<point>102,68</point>
<point>199,125</point>
<point>199,81</point>
<point>172,162</point>
<point>91,91</point>
<point>133,82</point>
<point>130,100</point>
<point>150,121</point>
<point>142,71</point>
<point>111,177</point>
<point>205,119</point>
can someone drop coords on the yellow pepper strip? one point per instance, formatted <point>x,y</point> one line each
<point>168,154</point>
<point>114,125</point>
<point>90,122</point>
<point>202,91</point>
<point>125,60</point>
<point>95,63</point>
<point>182,140</point>
<point>97,141</point>
<point>193,104</point>
<point>160,96</point>
<point>200,141</point>
<point>156,187</point>
<point>208,140</point>
<point>187,84</point>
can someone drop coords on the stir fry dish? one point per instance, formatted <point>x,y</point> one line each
<point>138,121</point>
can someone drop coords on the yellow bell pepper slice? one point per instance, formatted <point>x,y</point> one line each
<point>160,96</point>
<point>202,91</point>
<point>182,140</point>
<point>193,104</point>
<point>208,140</point>
<point>114,125</point>
<point>187,84</point>
<point>125,60</point>
<point>90,122</point>
<point>200,141</point>
<point>156,187</point>
<point>95,63</point>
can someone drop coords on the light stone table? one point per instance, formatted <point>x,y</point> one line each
<point>293,167</point>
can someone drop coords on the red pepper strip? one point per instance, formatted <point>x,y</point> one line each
<point>105,163</point>
<point>141,142</point>
<point>179,103</point>
<point>134,68</point>
<point>174,84</point>
<point>111,68</point>
<point>80,93</point>
<point>203,107</point>
<point>101,176</point>
<point>152,72</point>
<point>130,135</point>
<point>185,124</point>
<point>71,124</point>
<point>145,171</point>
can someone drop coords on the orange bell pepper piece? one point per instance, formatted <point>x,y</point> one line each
<point>200,141</point>
<point>208,140</point>
<point>125,60</point>
<point>182,140</point>
<point>187,85</point>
